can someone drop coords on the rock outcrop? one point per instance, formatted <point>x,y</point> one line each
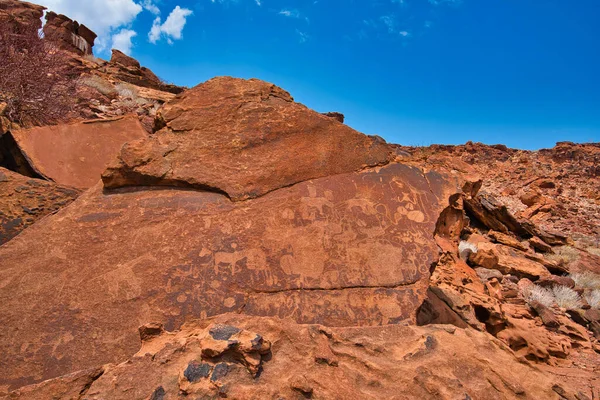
<point>26,200</point>
<point>330,237</point>
<point>557,188</point>
<point>21,14</point>
<point>242,357</point>
<point>68,34</point>
<point>244,139</point>
<point>128,69</point>
<point>76,154</point>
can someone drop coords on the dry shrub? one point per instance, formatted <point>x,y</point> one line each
<point>101,85</point>
<point>564,255</point>
<point>128,91</point>
<point>593,298</point>
<point>567,298</point>
<point>586,280</point>
<point>593,250</point>
<point>37,82</point>
<point>94,59</point>
<point>540,294</point>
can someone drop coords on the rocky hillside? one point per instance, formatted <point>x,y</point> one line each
<point>233,243</point>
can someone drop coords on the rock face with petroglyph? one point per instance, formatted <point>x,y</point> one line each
<point>333,236</point>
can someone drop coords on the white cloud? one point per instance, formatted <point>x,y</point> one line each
<point>390,22</point>
<point>290,13</point>
<point>258,3</point>
<point>150,6</point>
<point>104,17</point>
<point>172,28</point>
<point>122,40</point>
<point>450,2</point>
<point>303,36</point>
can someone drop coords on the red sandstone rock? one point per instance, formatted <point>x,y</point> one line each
<point>335,115</point>
<point>398,361</point>
<point>124,59</point>
<point>21,13</point>
<point>68,34</point>
<point>245,139</point>
<point>351,249</point>
<point>76,154</point>
<point>26,200</point>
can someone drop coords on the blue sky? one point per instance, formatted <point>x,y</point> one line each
<point>525,73</point>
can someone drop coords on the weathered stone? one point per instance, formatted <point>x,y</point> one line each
<point>362,243</point>
<point>150,331</point>
<point>508,261</point>
<point>124,59</point>
<point>485,258</point>
<point>507,240</point>
<point>521,267</point>
<point>76,154</point>
<point>486,274</point>
<point>196,371</point>
<point>551,281</point>
<point>335,115</point>
<point>418,362</point>
<point>547,316</point>
<point>26,200</point>
<point>540,245</point>
<point>245,139</point>
<point>21,14</point>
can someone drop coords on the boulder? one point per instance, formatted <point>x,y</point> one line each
<point>540,245</point>
<point>311,361</point>
<point>124,59</point>
<point>335,115</point>
<point>507,240</point>
<point>508,261</point>
<point>26,200</point>
<point>244,139</point>
<point>76,154</point>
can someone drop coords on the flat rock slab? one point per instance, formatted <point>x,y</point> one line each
<point>26,200</point>
<point>310,361</point>
<point>351,249</point>
<point>76,154</point>
<point>243,138</point>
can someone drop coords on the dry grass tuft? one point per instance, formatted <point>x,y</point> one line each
<point>101,85</point>
<point>567,298</point>
<point>128,91</point>
<point>586,280</point>
<point>593,298</point>
<point>541,295</point>
<point>564,255</point>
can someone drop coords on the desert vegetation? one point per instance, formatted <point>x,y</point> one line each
<point>37,83</point>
